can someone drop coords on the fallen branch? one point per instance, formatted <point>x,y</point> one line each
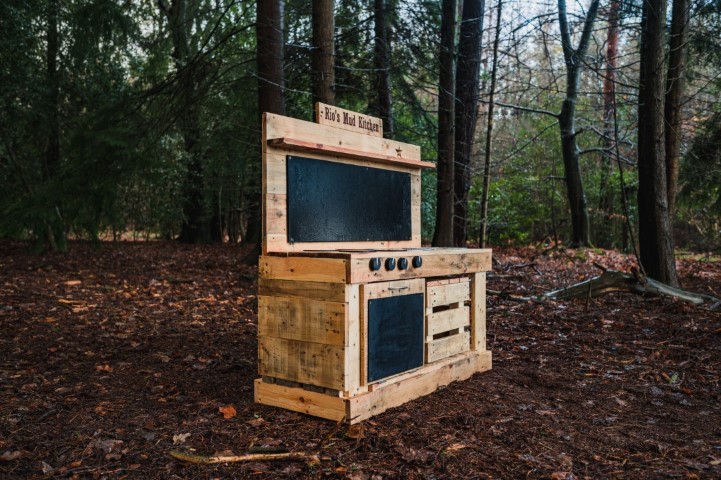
<point>613,281</point>
<point>248,457</point>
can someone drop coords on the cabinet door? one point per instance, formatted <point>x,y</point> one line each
<point>393,317</point>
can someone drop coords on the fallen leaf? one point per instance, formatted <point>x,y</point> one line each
<point>455,447</point>
<point>563,476</point>
<point>228,411</point>
<point>73,282</point>
<point>103,368</point>
<point>356,431</point>
<point>256,422</point>
<point>107,446</point>
<point>9,456</point>
<point>180,438</point>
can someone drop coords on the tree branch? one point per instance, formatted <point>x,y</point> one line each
<point>523,109</point>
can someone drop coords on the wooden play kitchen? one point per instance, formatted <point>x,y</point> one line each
<point>354,316</point>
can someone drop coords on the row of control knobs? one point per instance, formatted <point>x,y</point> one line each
<point>390,263</point>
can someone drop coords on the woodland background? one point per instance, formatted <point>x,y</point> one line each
<point>141,118</point>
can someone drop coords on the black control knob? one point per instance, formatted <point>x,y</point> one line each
<point>375,264</point>
<point>417,262</point>
<point>402,263</point>
<point>390,263</point>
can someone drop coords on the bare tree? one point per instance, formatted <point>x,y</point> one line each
<point>383,10</point>
<point>574,60</point>
<point>489,129</point>
<point>467,82</point>
<point>674,97</point>
<point>323,53</point>
<point>443,235</point>
<point>655,235</point>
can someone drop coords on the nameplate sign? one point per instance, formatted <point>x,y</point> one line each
<point>355,122</point>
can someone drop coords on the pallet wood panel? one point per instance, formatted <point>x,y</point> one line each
<point>447,346</point>
<point>426,381</point>
<point>333,116</point>
<point>277,126</point>
<point>331,270</point>
<point>353,343</point>
<point>447,320</point>
<point>302,319</point>
<point>448,294</point>
<point>435,264</point>
<point>330,292</point>
<point>478,312</point>
<point>302,362</point>
<point>300,400</point>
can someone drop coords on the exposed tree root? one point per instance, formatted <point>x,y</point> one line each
<point>613,281</point>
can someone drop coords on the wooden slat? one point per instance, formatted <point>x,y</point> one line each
<point>448,294</point>
<point>302,362</point>
<point>448,346</point>
<point>332,270</point>
<point>427,380</point>
<point>332,116</point>
<point>353,340</point>
<point>329,292</point>
<point>478,312</point>
<point>277,126</point>
<point>447,320</point>
<point>302,319</point>
<point>299,400</point>
<point>314,147</point>
<point>436,263</point>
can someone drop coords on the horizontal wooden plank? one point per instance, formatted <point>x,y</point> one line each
<point>448,346</point>
<point>448,294</point>
<point>447,320</point>
<point>391,289</point>
<point>332,270</point>
<point>436,263</point>
<point>446,281</point>
<point>332,116</point>
<point>300,400</point>
<point>315,147</point>
<point>426,380</point>
<point>302,319</point>
<point>329,292</point>
<point>277,126</point>
<point>302,362</point>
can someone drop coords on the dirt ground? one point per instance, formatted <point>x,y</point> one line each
<point>111,357</point>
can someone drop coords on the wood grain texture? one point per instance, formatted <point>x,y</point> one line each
<point>302,319</point>
<point>447,320</point>
<point>448,294</point>
<point>300,400</point>
<point>331,270</point>
<point>478,312</point>
<point>329,292</point>
<point>303,362</point>
<point>447,346</point>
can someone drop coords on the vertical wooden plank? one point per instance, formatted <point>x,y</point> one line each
<point>353,340</point>
<point>478,312</point>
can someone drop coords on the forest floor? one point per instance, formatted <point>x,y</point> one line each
<point>111,357</point>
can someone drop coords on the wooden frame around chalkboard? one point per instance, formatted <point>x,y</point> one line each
<point>283,136</point>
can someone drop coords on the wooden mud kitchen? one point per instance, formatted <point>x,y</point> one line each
<point>354,316</point>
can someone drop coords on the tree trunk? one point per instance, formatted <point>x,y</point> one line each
<point>53,231</point>
<point>489,131</point>
<point>271,98</point>
<point>605,189</point>
<point>674,98</point>
<point>655,236</point>
<point>323,53</point>
<point>383,10</point>
<point>467,82</point>
<point>443,235</point>
<point>567,122</point>
<point>179,22</point>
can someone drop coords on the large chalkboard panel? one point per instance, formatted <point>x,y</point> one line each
<point>395,335</point>
<point>337,202</point>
